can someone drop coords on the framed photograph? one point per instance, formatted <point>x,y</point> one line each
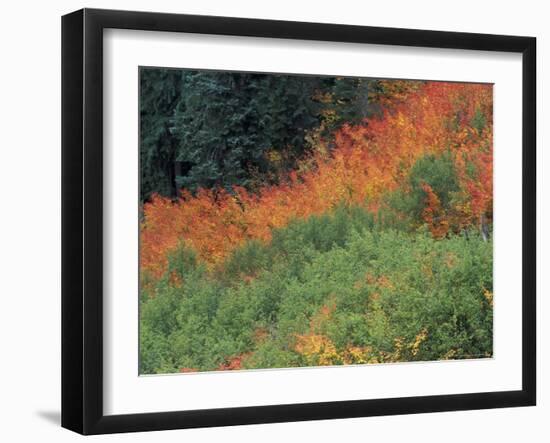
<point>269,221</point>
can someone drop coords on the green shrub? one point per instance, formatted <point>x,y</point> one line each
<point>404,296</point>
<point>404,206</point>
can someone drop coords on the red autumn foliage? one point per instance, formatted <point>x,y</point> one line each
<point>368,160</point>
<point>234,363</point>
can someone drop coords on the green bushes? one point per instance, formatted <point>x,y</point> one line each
<point>406,205</point>
<point>333,289</point>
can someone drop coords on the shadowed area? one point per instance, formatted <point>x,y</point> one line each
<point>54,417</point>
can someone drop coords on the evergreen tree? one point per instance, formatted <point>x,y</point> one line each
<point>160,91</point>
<point>221,129</point>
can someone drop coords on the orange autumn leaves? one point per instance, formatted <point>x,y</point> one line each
<point>367,161</point>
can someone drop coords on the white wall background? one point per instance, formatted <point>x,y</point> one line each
<point>30,219</point>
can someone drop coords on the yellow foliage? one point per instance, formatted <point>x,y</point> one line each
<point>419,339</point>
<point>317,349</point>
<point>488,296</point>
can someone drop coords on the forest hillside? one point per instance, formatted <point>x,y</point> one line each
<point>364,237</point>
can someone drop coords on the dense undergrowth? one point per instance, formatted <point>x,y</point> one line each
<point>377,249</point>
<point>334,289</point>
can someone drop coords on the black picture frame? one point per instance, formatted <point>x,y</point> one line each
<point>82,218</point>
